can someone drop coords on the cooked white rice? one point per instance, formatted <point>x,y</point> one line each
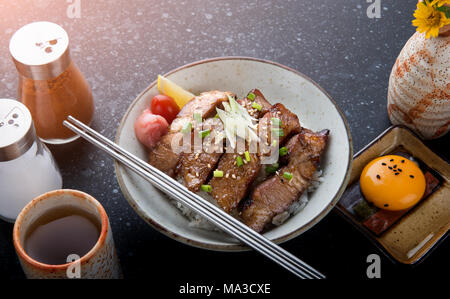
<point>198,221</point>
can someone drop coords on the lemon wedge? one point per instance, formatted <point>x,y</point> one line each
<point>177,93</point>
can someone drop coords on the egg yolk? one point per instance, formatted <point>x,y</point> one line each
<point>392,183</point>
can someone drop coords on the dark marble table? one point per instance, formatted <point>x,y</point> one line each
<point>121,46</point>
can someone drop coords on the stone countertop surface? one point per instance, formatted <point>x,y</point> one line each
<point>121,46</point>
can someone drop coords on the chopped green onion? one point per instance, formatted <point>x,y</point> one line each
<point>206,188</point>
<point>239,161</point>
<point>186,128</point>
<point>278,132</point>
<point>218,173</point>
<point>272,168</point>
<point>251,96</point>
<point>197,117</point>
<point>217,115</point>
<point>274,143</point>
<point>204,133</point>
<point>247,156</point>
<point>276,121</point>
<point>287,175</point>
<point>257,106</point>
<point>283,151</point>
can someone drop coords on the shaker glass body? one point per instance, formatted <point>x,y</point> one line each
<point>51,101</point>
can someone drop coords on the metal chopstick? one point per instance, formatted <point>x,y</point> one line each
<point>223,220</point>
<point>213,209</point>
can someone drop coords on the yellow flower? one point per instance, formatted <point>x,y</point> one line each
<point>428,19</point>
<point>440,2</point>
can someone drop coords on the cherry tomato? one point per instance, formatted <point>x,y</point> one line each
<point>164,106</point>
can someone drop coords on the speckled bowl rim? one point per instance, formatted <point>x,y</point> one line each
<point>85,258</point>
<point>236,247</point>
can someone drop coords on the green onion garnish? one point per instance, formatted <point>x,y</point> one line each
<point>278,132</point>
<point>239,161</point>
<point>217,116</point>
<point>218,173</point>
<point>251,96</point>
<point>276,121</point>
<point>204,133</point>
<point>197,117</point>
<point>283,151</point>
<point>186,128</point>
<point>257,106</point>
<point>274,143</point>
<point>287,175</point>
<point>272,168</point>
<point>247,156</point>
<point>206,188</point>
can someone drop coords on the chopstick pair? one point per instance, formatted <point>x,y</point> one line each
<point>178,191</point>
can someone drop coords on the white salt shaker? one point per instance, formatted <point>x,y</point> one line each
<point>27,168</point>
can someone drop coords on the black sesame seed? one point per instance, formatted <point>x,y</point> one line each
<point>384,164</point>
<point>399,169</point>
<point>378,176</point>
<point>386,205</point>
<point>391,160</point>
<point>396,173</point>
<point>403,161</point>
<point>389,167</point>
<point>411,176</point>
<point>395,166</point>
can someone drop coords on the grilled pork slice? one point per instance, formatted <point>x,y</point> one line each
<point>275,195</point>
<point>196,167</point>
<point>162,156</point>
<point>259,99</point>
<point>235,185</point>
<point>288,126</point>
<point>229,190</point>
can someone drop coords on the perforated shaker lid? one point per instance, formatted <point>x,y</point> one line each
<point>16,129</point>
<point>40,50</point>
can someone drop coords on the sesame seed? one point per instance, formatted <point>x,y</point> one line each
<point>391,160</point>
<point>378,176</point>
<point>209,165</point>
<point>227,175</point>
<point>233,176</point>
<point>395,166</point>
<point>384,164</point>
<point>399,169</point>
<point>386,205</point>
<point>403,161</point>
<point>396,173</point>
<point>411,176</point>
<point>389,167</point>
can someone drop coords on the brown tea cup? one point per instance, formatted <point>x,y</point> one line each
<point>100,262</point>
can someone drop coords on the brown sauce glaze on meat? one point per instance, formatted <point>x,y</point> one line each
<point>236,183</point>
<point>276,195</point>
<point>196,167</point>
<point>290,125</point>
<point>162,156</point>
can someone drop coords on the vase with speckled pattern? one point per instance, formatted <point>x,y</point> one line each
<point>419,85</point>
